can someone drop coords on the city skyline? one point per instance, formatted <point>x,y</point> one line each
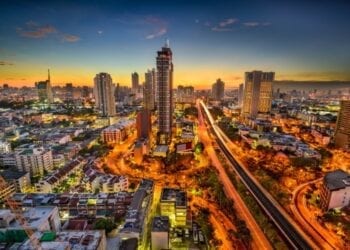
<point>298,40</point>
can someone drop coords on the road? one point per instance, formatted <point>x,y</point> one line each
<point>307,219</point>
<point>289,229</point>
<point>221,224</point>
<point>259,239</point>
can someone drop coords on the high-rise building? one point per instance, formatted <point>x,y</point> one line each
<point>154,78</point>
<point>143,124</point>
<point>69,91</point>
<point>104,94</point>
<point>185,94</point>
<point>148,93</point>
<point>135,81</point>
<point>240,94</point>
<point>165,70</point>
<point>218,90</point>
<point>257,96</point>
<point>45,90</point>
<point>85,92</point>
<point>342,131</point>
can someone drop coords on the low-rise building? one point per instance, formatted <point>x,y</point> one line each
<point>335,190</point>
<point>160,233</point>
<point>82,205</point>
<point>320,137</point>
<point>161,151</point>
<point>52,180</point>
<point>8,160</point>
<point>173,203</point>
<point>21,180</point>
<point>5,147</point>
<point>102,182</point>
<point>38,219</point>
<point>118,131</point>
<point>65,240</point>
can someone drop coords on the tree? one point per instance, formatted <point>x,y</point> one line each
<point>105,224</point>
<point>191,111</point>
<point>198,148</point>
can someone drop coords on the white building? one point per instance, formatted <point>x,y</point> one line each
<point>104,94</point>
<point>105,183</point>
<point>160,233</point>
<point>335,191</point>
<point>34,160</point>
<point>38,219</point>
<point>5,147</point>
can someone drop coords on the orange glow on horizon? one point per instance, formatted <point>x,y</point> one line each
<point>200,78</point>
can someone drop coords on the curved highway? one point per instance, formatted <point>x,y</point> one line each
<point>294,235</point>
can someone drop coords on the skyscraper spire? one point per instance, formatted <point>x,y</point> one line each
<point>167,43</point>
<point>48,74</point>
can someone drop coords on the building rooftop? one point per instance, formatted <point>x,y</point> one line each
<point>75,240</point>
<point>162,148</point>
<point>129,244</point>
<point>34,217</point>
<point>176,195</point>
<point>338,179</point>
<point>12,175</point>
<point>160,224</point>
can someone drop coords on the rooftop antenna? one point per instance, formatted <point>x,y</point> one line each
<point>167,45</point>
<point>48,74</point>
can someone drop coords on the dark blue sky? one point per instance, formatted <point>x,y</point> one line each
<point>210,39</point>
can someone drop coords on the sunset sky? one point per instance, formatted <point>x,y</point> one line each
<point>299,40</point>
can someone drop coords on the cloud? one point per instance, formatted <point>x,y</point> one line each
<point>33,30</point>
<point>251,24</point>
<point>100,32</point>
<point>6,63</point>
<point>223,26</point>
<point>70,38</point>
<point>227,22</point>
<point>159,27</point>
<point>255,24</point>
<point>158,33</point>
<point>218,29</point>
<point>196,21</point>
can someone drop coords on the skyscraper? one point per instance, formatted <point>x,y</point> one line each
<point>165,70</point>
<point>342,131</point>
<point>154,78</point>
<point>69,91</point>
<point>218,90</point>
<point>257,96</point>
<point>240,94</point>
<point>148,93</point>
<point>104,94</point>
<point>135,82</point>
<point>44,89</point>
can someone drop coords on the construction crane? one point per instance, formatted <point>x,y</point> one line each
<point>16,210</point>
